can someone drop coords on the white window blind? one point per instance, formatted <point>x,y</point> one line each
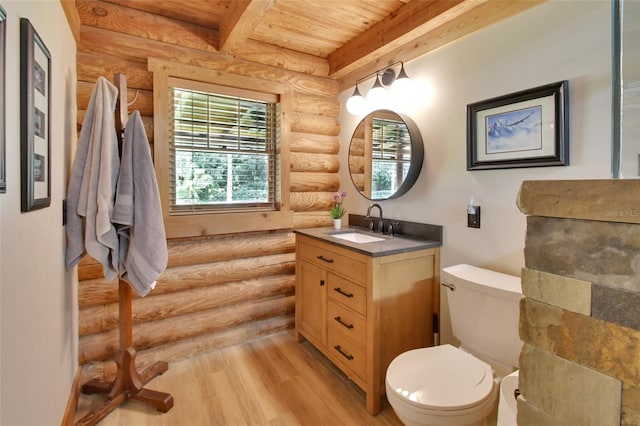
<point>391,156</point>
<point>222,152</point>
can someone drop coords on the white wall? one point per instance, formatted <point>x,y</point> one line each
<point>559,40</point>
<point>38,297</point>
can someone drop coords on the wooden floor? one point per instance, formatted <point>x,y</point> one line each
<point>271,381</point>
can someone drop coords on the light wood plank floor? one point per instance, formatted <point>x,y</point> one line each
<point>271,381</point>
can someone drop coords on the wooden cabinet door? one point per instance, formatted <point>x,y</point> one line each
<point>313,302</point>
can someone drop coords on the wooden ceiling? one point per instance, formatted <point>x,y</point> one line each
<point>349,38</point>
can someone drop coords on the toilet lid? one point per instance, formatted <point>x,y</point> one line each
<point>441,377</point>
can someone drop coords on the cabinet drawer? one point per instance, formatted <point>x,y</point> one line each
<point>334,259</point>
<point>347,354</point>
<point>348,293</point>
<point>347,323</point>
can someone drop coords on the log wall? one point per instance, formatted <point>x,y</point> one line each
<point>218,290</point>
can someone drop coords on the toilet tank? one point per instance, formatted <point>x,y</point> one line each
<point>485,311</point>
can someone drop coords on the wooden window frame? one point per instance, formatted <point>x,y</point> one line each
<point>216,223</point>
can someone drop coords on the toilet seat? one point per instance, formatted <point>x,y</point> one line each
<point>440,378</point>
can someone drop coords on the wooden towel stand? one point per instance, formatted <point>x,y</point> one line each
<point>128,383</point>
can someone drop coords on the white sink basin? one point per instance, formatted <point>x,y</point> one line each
<point>356,237</point>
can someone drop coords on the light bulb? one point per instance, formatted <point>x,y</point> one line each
<point>377,95</point>
<point>402,86</point>
<point>356,104</point>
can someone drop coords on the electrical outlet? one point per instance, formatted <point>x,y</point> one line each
<point>473,219</point>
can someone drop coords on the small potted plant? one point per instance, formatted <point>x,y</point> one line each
<point>338,209</point>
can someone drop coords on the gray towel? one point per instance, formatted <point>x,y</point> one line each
<point>138,212</point>
<point>92,185</point>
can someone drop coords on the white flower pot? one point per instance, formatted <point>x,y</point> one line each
<point>337,223</point>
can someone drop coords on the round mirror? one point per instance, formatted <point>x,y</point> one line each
<point>385,155</point>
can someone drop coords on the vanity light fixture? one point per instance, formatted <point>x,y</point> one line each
<point>377,96</point>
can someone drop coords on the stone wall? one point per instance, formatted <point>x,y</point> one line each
<point>580,314</point>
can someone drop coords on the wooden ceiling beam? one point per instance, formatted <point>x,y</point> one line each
<point>239,22</point>
<point>453,24</point>
<point>411,21</point>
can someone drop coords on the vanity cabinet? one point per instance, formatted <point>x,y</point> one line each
<point>363,310</point>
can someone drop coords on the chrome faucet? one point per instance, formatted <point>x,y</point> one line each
<point>380,220</point>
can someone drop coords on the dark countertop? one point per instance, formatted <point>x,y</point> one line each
<point>391,244</point>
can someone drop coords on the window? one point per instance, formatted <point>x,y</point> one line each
<point>223,150</point>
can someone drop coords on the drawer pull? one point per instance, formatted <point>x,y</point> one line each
<point>344,354</point>
<point>339,290</point>
<point>324,259</point>
<point>321,283</point>
<point>349,326</point>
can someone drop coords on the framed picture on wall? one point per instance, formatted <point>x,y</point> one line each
<point>3,120</point>
<point>35,119</point>
<point>523,129</point>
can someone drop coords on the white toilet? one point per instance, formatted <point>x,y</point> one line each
<point>507,404</point>
<point>445,385</point>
